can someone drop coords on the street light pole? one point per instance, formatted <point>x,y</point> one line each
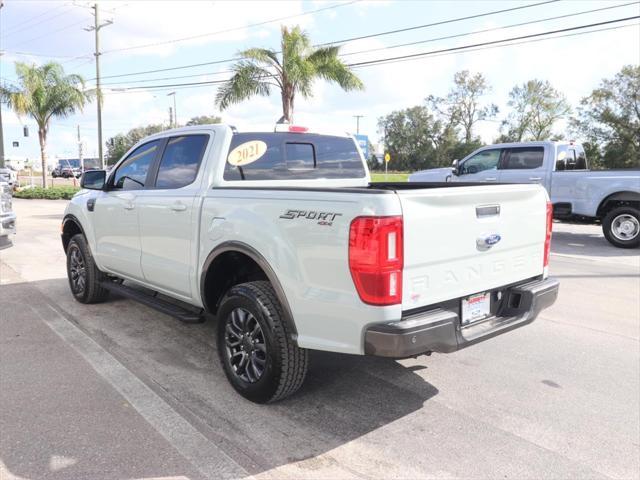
<point>175,110</point>
<point>358,117</point>
<point>96,28</point>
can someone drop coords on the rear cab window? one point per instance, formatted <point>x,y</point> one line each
<point>570,157</point>
<point>291,156</point>
<point>180,161</point>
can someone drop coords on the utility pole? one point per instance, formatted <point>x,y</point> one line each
<point>175,110</point>
<point>170,117</point>
<point>80,156</point>
<point>358,117</point>
<point>96,28</point>
<point>1,134</point>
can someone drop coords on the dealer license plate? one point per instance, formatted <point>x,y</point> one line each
<point>476,307</point>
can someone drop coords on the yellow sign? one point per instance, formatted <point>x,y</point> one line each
<point>387,157</point>
<point>247,153</point>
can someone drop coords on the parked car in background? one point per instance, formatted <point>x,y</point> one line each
<point>66,172</point>
<point>282,236</point>
<point>9,176</point>
<point>7,216</point>
<point>609,197</point>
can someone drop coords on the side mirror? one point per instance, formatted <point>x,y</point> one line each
<point>455,167</point>
<point>93,179</point>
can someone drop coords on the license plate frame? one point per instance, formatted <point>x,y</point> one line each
<point>475,308</point>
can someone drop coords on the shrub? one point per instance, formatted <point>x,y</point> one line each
<point>52,193</point>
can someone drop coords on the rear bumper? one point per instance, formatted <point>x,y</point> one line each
<point>440,330</point>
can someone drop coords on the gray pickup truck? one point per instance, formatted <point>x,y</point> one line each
<point>609,197</point>
<point>7,216</point>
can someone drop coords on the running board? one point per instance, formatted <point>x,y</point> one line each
<point>151,300</point>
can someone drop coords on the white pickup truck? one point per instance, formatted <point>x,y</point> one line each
<point>283,238</point>
<point>609,197</point>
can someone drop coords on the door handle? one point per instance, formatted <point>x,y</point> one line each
<point>535,179</point>
<point>129,206</point>
<point>178,207</point>
<point>490,179</point>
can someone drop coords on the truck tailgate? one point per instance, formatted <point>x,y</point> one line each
<point>445,253</point>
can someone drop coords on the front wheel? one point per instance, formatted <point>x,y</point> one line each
<point>259,357</point>
<point>84,276</point>
<point>621,227</point>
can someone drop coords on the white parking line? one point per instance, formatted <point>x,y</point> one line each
<point>206,457</point>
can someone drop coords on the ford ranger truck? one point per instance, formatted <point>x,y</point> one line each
<point>608,197</point>
<point>283,238</point>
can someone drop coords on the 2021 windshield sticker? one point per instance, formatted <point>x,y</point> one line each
<point>246,153</point>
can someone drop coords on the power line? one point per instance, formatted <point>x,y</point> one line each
<point>470,50</point>
<point>397,45</point>
<point>209,34</point>
<point>533,35</point>
<point>17,27</point>
<point>227,60</point>
<point>493,29</point>
<point>383,61</point>
<point>442,22</point>
<point>48,34</point>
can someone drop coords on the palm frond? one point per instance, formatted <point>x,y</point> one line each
<point>248,80</point>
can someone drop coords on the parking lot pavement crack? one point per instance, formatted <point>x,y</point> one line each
<point>205,456</point>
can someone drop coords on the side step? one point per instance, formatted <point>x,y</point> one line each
<point>151,300</point>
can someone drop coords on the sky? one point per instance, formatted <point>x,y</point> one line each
<point>152,35</point>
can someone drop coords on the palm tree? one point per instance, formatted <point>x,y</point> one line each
<point>293,71</point>
<point>45,92</point>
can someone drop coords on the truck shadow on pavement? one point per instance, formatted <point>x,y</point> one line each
<point>343,398</point>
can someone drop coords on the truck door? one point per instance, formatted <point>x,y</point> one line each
<point>523,165</point>
<point>481,167</point>
<point>169,216</point>
<point>116,213</point>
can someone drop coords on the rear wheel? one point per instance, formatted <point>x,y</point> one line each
<point>621,227</point>
<point>84,276</point>
<point>255,347</point>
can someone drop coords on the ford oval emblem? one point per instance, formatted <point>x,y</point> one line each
<point>485,242</point>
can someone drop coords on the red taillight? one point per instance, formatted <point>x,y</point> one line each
<point>297,129</point>
<point>547,238</point>
<point>376,259</point>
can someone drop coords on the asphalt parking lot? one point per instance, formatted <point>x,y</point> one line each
<point>117,390</point>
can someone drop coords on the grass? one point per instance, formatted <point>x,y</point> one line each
<point>52,193</point>
<point>391,177</point>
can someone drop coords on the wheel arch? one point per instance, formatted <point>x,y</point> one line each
<point>618,199</point>
<point>70,226</point>
<point>231,263</point>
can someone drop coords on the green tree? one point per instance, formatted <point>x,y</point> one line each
<point>462,107</point>
<point>293,70</point>
<point>412,137</point>
<point>119,144</point>
<point>609,120</point>
<point>536,107</point>
<point>43,93</point>
<point>204,120</point>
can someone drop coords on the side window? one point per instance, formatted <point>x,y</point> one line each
<point>132,173</point>
<point>523,158</point>
<point>485,160</point>
<point>180,161</point>
<point>300,156</point>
